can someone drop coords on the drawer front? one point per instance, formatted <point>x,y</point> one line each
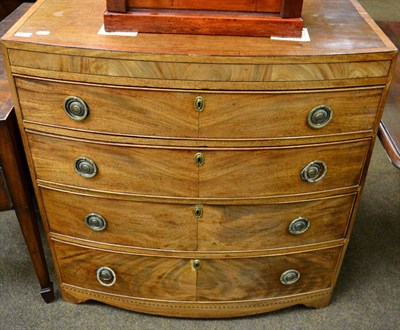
<point>260,277</point>
<point>225,115</point>
<point>282,115</point>
<point>221,173</point>
<point>110,110</point>
<point>269,172</point>
<point>201,74</point>
<point>136,276</point>
<point>257,227</point>
<point>147,171</point>
<point>219,228</point>
<point>146,225</point>
<point>217,279</point>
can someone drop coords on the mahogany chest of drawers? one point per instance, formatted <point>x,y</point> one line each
<point>201,176</point>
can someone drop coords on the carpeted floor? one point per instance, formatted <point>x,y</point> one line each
<point>367,295</point>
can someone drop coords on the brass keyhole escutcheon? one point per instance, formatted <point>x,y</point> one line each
<point>199,103</point>
<point>196,264</point>
<point>199,159</point>
<point>198,211</point>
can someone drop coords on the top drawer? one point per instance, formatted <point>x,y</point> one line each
<point>201,114</point>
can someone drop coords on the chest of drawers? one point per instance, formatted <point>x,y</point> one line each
<point>198,176</point>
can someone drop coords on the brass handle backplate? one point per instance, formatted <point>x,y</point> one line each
<point>299,226</point>
<point>106,276</point>
<point>75,108</point>
<point>290,276</point>
<point>314,171</point>
<point>320,116</point>
<point>85,167</point>
<point>95,222</point>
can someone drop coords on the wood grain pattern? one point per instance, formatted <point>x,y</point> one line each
<point>128,111</point>
<point>217,279</point>
<point>169,172</point>
<point>148,171</point>
<point>227,174</point>
<point>258,278</point>
<point>174,227</point>
<point>237,5</point>
<point>282,115</point>
<point>142,112</point>
<point>274,73</point>
<point>195,22</point>
<point>116,5</point>
<point>291,8</point>
<point>336,19</point>
<point>146,225</point>
<point>136,276</point>
<point>194,143</point>
<point>243,17</point>
<point>250,181</point>
<point>257,227</point>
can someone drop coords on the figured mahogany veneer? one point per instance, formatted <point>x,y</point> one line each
<point>262,114</point>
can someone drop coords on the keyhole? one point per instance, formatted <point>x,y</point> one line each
<point>199,159</point>
<point>196,264</point>
<point>199,104</point>
<point>198,211</point>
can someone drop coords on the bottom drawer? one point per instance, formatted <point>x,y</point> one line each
<point>191,279</point>
<point>266,277</point>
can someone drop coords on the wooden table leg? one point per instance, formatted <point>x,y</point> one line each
<point>19,185</point>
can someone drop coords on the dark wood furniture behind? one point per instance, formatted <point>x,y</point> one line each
<point>389,130</point>
<point>15,184</point>
<point>8,6</point>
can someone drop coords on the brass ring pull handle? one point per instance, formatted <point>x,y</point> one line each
<point>95,222</point>
<point>199,103</point>
<point>320,116</point>
<point>199,159</point>
<point>290,276</point>
<point>299,226</point>
<point>85,167</point>
<point>314,171</point>
<point>106,276</point>
<point>75,108</point>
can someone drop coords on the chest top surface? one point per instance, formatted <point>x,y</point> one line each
<point>336,27</point>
